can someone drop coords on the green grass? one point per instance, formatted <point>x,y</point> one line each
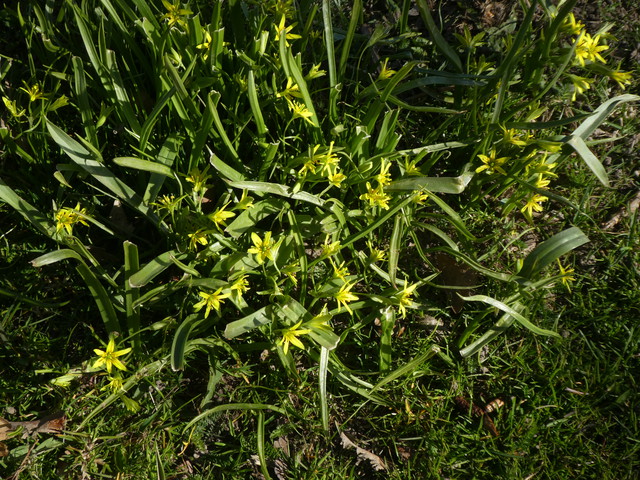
<point>155,129</point>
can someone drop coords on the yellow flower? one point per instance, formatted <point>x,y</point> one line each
<point>376,197</point>
<point>589,50</point>
<point>404,298</point>
<point>580,84</point>
<point>330,249</point>
<point>376,255</point>
<point>110,357</point>
<point>533,203</point>
<point>344,296</point>
<point>290,271</point>
<point>300,110</point>
<point>328,161</point>
<point>240,286</point>
<point>199,179</point>
<point>385,72</point>
<point>245,202</point>
<point>283,7</point>
<point>210,300</point>
<point>34,92</point>
<point>205,45</point>
<point>315,72</point>
<point>340,271</point>
<point>197,238</point>
<point>282,28</point>
<point>290,336</point>
<point>567,276</point>
<point>491,163</point>
<point>12,107</point>
<point>115,383</point>
<point>410,167</point>
<point>419,197</point>
<point>220,216</point>
<point>570,25</point>
<point>542,182</point>
<point>290,91</point>
<point>623,78</point>
<point>384,177</point>
<point>262,248</point>
<point>175,13</point>
<point>509,135</point>
<point>66,218</point>
<point>336,179</point>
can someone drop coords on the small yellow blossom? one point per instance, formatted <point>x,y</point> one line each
<point>300,110</point>
<point>240,286</point>
<point>115,383</point>
<point>588,49</point>
<point>315,72</point>
<point>411,168</point>
<point>220,216</point>
<point>567,276</point>
<point>175,13</point>
<point>328,161</point>
<point>199,179</point>
<point>12,107</point>
<point>580,84</point>
<point>384,177</point>
<point>66,218</point>
<point>290,337</point>
<point>262,247</point>
<point>376,255</point>
<point>290,271</point>
<point>542,182</point>
<point>245,202</point>
<point>283,7</point>
<point>34,92</point>
<point>210,300</point>
<point>109,357</point>
<point>344,296</point>
<point>623,78</point>
<point>491,163</point>
<point>330,249</point>
<point>570,26</point>
<point>419,197</point>
<point>385,72</point>
<point>533,204</point>
<point>205,46</point>
<point>340,271</point>
<point>509,135</point>
<point>290,91</point>
<point>404,298</point>
<point>376,197</point>
<point>336,179</point>
<point>283,28</point>
<point>197,238</point>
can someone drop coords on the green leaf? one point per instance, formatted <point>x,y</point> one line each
<point>587,127</point>
<point>454,185</point>
<point>408,367</point>
<point>261,317</point>
<point>552,249</point>
<point>180,339</point>
<point>512,312</point>
<point>438,39</point>
<point>259,211</point>
<point>28,211</point>
<point>278,189</point>
<point>154,268</point>
<point>144,165</point>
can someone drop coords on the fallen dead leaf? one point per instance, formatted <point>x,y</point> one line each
<point>374,460</point>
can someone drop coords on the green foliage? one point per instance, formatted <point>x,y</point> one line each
<point>270,185</point>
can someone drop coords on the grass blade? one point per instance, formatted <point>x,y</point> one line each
<point>552,249</point>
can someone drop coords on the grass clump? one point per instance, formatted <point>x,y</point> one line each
<point>299,243</point>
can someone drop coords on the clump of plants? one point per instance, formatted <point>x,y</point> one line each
<point>270,181</point>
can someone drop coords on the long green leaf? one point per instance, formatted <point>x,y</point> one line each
<point>552,249</point>
<point>154,268</point>
<point>438,39</point>
<point>453,185</point>
<point>589,158</point>
<point>28,211</point>
<point>180,339</point>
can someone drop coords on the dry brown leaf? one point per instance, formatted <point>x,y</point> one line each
<point>50,424</point>
<point>374,460</point>
<point>4,450</point>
